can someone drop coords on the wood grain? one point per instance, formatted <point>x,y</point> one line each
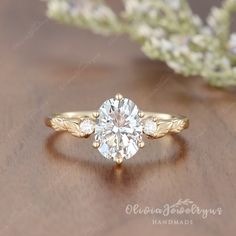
<point>55,184</point>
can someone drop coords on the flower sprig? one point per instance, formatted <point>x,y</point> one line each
<point>167,30</point>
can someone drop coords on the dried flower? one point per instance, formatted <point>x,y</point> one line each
<point>167,30</point>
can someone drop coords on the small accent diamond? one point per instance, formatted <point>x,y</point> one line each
<point>150,127</point>
<point>87,126</point>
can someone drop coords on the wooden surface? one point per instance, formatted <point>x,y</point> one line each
<point>55,184</point>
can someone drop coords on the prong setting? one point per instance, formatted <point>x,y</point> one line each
<point>119,160</point>
<point>141,144</point>
<point>141,114</point>
<point>119,96</point>
<point>96,114</point>
<point>96,144</point>
<point>154,119</point>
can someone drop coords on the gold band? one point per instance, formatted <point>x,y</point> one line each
<point>118,126</point>
<point>74,115</point>
<point>70,121</point>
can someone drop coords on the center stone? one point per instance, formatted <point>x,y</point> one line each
<point>118,129</point>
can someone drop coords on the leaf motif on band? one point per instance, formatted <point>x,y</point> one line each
<point>61,124</point>
<point>58,123</point>
<point>177,126</point>
<point>72,126</point>
<point>163,127</point>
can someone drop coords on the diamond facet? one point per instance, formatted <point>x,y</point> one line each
<point>118,129</point>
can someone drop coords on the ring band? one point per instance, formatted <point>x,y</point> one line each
<point>68,121</point>
<point>118,126</point>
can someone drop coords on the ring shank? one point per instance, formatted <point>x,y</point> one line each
<point>166,123</point>
<point>165,116</point>
<point>69,115</point>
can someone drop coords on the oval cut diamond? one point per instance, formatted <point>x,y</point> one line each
<point>118,129</point>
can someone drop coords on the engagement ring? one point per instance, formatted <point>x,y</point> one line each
<point>118,126</point>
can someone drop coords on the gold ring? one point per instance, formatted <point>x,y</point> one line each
<point>118,126</point>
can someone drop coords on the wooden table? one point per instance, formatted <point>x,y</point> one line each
<point>55,184</point>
